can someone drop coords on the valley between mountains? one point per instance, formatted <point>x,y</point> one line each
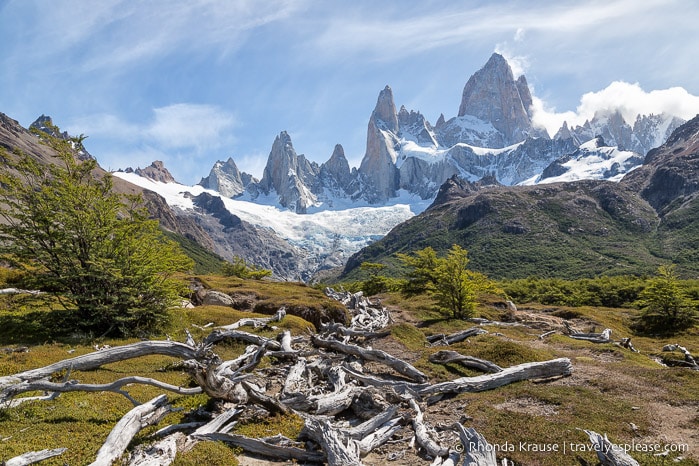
<point>297,338</point>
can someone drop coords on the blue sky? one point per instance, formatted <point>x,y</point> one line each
<point>195,81</point>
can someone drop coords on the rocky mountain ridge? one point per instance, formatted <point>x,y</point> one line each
<point>493,134</point>
<point>566,229</point>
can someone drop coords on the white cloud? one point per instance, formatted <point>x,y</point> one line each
<point>630,99</point>
<point>189,126</point>
<point>518,63</point>
<point>181,135</point>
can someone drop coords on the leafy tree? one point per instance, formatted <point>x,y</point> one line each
<point>421,265</point>
<point>665,307</point>
<point>454,287</point>
<point>93,248</point>
<point>240,268</point>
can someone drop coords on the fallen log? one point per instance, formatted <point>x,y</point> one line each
<point>161,453</point>
<point>337,447</point>
<point>477,451</point>
<point>105,356</point>
<point>604,337</point>
<point>689,360</point>
<point>72,386</point>
<point>531,370</point>
<point>283,449</point>
<point>34,457</point>
<point>422,435</point>
<point>446,340</point>
<point>340,329</point>
<point>446,357</point>
<point>256,322</point>
<point>220,335</point>
<point>121,435</point>
<point>608,453</point>
<point>368,354</point>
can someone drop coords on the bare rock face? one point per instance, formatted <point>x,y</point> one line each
<point>335,173</point>
<point>493,96</point>
<point>293,177</point>
<point>378,172</point>
<point>227,179</point>
<point>156,171</point>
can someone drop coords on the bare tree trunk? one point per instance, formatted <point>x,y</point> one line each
<point>119,438</point>
<point>398,365</point>
<point>608,453</point>
<point>526,371</point>
<point>33,457</point>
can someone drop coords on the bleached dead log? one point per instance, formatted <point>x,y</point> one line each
<point>338,447</point>
<point>121,435</point>
<point>256,322</point>
<point>446,357</point>
<point>441,339</point>
<point>626,343</point>
<point>283,449</point>
<point>531,370</point>
<point>214,384</point>
<point>161,453</point>
<point>365,428</point>
<point>72,386</point>
<point>105,356</point>
<point>608,453</point>
<point>340,329</point>
<point>269,403</point>
<point>285,342</point>
<point>19,291</point>
<point>399,386</point>
<point>379,436</point>
<point>688,358</point>
<point>422,435</point>
<point>220,335</point>
<point>33,457</point>
<point>368,354</point>
<point>295,382</point>
<point>476,449</point>
<point>604,337</point>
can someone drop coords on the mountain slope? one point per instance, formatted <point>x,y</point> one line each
<point>566,230</point>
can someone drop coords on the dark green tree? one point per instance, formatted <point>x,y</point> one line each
<point>447,279</point>
<point>665,307</point>
<point>240,268</point>
<point>93,248</point>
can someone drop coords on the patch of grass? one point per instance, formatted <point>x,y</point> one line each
<point>289,425</point>
<point>209,453</point>
<point>410,336</point>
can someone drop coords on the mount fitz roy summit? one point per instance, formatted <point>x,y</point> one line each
<point>492,136</point>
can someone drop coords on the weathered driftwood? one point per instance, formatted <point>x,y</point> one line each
<point>689,360</point>
<point>604,337</point>
<point>442,339</point>
<point>105,356</point>
<point>161,453</point>
<point>34,457</point>
<point>256,322</point>
<point>447,357</point>
<point>422,435</point>
<point>531,370</point>
<point>394,363</point>
<point>608,453</point>
<point>221,335</point>
<point>121,435</point>
<point>72,386</point>
<point>336,445</point>
<point>284,449</point>
<point>476,450</point>
<point>340,329</point>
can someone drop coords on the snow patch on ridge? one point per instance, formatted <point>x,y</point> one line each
<point>346,230</point>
